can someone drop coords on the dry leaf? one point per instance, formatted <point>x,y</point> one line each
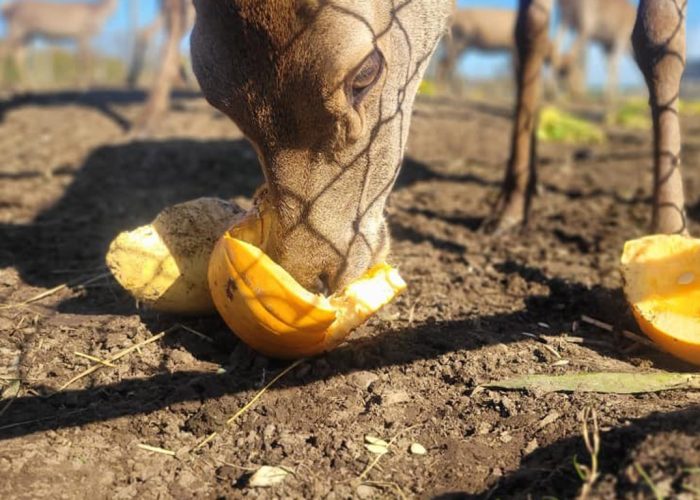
<point>603,382</point>
<point>267,476</point>
<point>377,441</point>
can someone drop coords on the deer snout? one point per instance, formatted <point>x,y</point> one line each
<point>325,250</point>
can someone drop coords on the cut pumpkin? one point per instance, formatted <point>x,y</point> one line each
<point>272,313</point>
<point>661,276</point>
<point>163,265</point>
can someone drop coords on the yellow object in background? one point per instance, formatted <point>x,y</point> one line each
<point>556,125</point>
<point>661,275</point>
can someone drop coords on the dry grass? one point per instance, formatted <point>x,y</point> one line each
<point>248,405</point>
<point>374,462</point>
<point>107,362</point>
<point>56,289</point>
<point>591,438</point>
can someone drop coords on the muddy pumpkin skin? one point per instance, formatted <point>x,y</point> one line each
<point>163,265</point>
<point>661,275</point>
<point>271,312</point>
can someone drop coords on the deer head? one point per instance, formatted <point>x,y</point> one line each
<point>324,90</point>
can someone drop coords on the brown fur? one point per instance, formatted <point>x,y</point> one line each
<point>280,69</point>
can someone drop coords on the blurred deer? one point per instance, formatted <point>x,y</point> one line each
<point>484,29</point>
<point>607,22</point>
<point>658,39</point>
<point>30,19</point>
<point>176,17</point>
<point>144,37</point>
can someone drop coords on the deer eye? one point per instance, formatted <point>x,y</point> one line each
<point>366,76</point>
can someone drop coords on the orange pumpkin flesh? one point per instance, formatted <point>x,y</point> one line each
<point>661,276</point>
<point>275,315</point>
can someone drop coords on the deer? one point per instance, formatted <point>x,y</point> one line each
<point>176,17</point>
<point>146,35</point>
<point>658,40</point>
<point>324,90</point>
<point>30,19</point>
<point>485,29</point>
<point>143,39</point>
<point>606,22</point>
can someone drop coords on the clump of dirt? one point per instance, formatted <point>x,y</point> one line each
<point>410,373</point>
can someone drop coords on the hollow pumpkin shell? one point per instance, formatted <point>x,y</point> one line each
<point>661,275</point>
<point>272,313</point>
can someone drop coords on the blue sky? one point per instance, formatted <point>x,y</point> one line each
<point>480,66</point>
<point>116,40</point>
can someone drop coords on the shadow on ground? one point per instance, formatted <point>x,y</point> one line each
<point>121,187</point>
<point>549,471</point>
<point>101,100</point>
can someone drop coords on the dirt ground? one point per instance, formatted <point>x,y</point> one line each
<point>70,180</point>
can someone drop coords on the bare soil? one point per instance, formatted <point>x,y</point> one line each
<point>70,180</point>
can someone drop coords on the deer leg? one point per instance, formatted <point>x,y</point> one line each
<point>84,63</point>
<point>659,44</point>
<point>446,67</point>
<point>613,62</point>
<point>18,56</point>
<point>13,53</point>
<point>159,97</point>
<point>520,180</point>
<point>577,72</point>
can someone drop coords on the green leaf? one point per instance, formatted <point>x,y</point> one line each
<point>602,382</point>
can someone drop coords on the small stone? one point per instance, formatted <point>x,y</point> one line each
<point>505,437</point>
<point>362,380</point>
<point>418,449</point>
<point>484,428</point>
<point>390,398</point>
<point>531,446</point>
<point>377,449</point>
<point>269,432</point>
<point>365,491</point>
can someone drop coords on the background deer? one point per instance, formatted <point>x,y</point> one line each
<point>484,29</point>
<point>176,17</point>
<point>144,37</point>
<point>659,45</point>
<point>606,22</point>
<point>80,22</point>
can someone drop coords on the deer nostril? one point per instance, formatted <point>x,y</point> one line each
<point>323,285</point>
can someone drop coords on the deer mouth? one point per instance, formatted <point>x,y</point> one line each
<point>323,258</point>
